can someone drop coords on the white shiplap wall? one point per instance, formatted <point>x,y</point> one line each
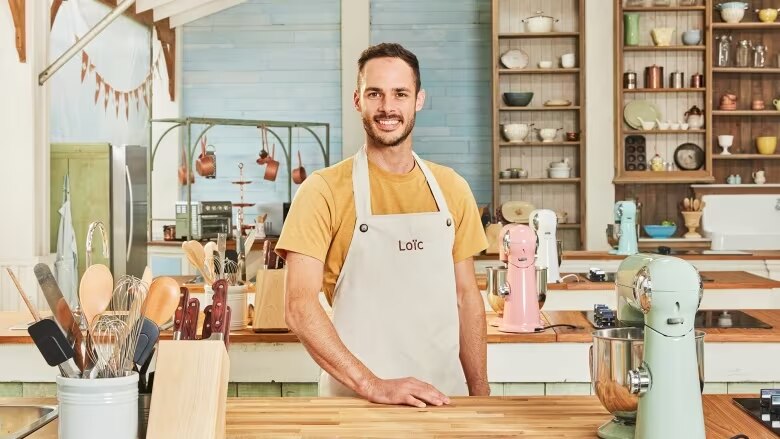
<point>452,42</point>
<point>270,60</point>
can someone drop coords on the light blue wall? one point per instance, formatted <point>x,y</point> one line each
<point>451,39</point>
<point>263,59</point>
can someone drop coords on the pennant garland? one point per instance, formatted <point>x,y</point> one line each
<point>88,69</point>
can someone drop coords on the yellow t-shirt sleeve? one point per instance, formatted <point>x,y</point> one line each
<point>469,233</point>
<point>309,224</point>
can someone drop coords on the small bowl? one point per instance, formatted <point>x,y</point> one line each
<point>559,172</point>
<point>545,64</point>
<point>660,232</point>
<point>505,174</point>
<point>518,99</point>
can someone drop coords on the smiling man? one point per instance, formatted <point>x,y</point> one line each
<point>389,238</point>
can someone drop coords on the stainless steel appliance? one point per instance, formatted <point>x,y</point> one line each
<point>215,217</point>
<point>182,231</point>
<point>116,179</point>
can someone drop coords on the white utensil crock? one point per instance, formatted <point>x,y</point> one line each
<point>98,408</point>
<point>237,301</point>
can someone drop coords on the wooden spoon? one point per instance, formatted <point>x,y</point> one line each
<point>696,205</point>
<point>209,249</point>
<point>162,300</point>
<point>687,204</point>
<point>196,257</point>
<point>95,291</point>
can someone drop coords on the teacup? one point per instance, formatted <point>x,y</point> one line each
<point>545,64</point>
<point>776,102</point>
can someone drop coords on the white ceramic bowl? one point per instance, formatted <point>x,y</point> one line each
<point>732,15</point>
<point>559,172</point>
<point>548,134</point>
<point>545,64</point>
<point>515,132</point>
<point>725,140</point>
<point>662,36</point>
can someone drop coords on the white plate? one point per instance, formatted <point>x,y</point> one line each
<point>514,59</point>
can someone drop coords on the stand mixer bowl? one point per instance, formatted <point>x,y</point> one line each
<point>496,276</point>
<point>615,351</point>
<point>613,234</point>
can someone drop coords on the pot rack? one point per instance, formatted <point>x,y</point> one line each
<point>207,123</point>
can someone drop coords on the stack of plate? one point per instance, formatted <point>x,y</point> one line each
<point>643,109</point>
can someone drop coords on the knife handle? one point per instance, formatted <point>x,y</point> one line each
<point>178,317</point>
<point>190,325</point>
<point>206,332</point>
<point>227,327</point>
<point>218,305</point>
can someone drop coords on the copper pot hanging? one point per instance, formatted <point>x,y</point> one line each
<point>183,170</point>
<point>263,156</point>
<point>271,166</point>
<point>206,164</point>
<point>299,173</point>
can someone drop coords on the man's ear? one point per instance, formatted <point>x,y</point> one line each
<point>356,100</point>
<point>420,100</point>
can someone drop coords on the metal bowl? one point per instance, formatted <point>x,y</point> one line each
<point>615,351</point>
<point>496,276</point>
<point>613,234</point>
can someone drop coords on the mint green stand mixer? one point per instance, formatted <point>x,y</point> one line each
<point>649,371</point>
<point>625,230</point>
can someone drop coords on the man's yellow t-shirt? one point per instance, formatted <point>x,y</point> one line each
<point>321,219</point>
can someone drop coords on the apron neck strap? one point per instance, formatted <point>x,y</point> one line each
<point>362,187</point>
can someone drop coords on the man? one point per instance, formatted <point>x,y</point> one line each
<point>389,239</point>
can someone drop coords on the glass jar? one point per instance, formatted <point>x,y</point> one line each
<point>743,53</point>
<point>759,56</point>
<point>724,50</point>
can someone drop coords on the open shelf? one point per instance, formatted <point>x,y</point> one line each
<point>664,9</point>
<point>538,180</point>
<point>569,108</point>
<point>640,132</point>
<point>764,70</point>
<point>535,71</point>
<point>663,177</point>
<point>524,144</point>
<point>664,48</point>
<point>538,35</point>
<point>746,26</point>
<point>746,157</point>
<point>746,113</point>
<point>664,90</point>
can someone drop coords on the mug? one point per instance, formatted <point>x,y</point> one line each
<point>567,60</point>
<point>757,104</point>
<point>776,103</point>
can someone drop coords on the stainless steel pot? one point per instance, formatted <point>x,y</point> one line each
<point>615,351</point>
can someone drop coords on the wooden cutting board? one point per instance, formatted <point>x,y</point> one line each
<point>269,301</point>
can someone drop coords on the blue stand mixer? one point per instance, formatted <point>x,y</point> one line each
<point>625,232</point>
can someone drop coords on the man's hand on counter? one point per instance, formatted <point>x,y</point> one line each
<point>406,391</point>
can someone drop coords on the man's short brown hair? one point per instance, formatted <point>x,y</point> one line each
<point>390,50</point>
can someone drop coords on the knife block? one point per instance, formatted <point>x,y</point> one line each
<point>269,301</point>
<point>190,390</point>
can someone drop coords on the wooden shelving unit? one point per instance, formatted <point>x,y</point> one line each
<point>660,192</point>
<point>568,36</point>
<point>748,83</point>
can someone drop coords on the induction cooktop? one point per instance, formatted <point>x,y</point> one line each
<point>765,410</point>
<point>603,317</point>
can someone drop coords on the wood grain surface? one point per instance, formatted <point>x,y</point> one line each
<point>494,417</point>
<point>714,335</point>
<point>720,280</point>
<point>582,335</point>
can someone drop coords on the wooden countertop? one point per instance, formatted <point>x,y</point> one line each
<point>714,280</point>
<point>692,255</point>
<point>713,335</point>
<point>230,243</point>
<point>558,334</point>
<point>535,417</point>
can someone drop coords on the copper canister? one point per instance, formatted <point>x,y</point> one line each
<point>697,80</point>
<point>629,80</point>
<point>654,76</point>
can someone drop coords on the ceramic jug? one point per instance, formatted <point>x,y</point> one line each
<point>737,179</point>
<point>758,177</point>
<point>731,179</point>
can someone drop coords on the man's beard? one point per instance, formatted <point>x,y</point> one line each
<point>381,138</point>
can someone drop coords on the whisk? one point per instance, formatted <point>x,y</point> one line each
<point>114,334</point>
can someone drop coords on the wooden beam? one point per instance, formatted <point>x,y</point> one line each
<point>167,37</point>
<point>17,12</point>
<point>145,5</point>
<point>146,18</point>
<point>209,8</point>
<point>176,7</point>
<point>55,7</point>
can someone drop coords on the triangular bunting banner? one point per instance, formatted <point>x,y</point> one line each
<point>84,65</point>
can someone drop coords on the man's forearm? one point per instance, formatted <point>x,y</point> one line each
<point>473,339</point>
<point>318,335</point>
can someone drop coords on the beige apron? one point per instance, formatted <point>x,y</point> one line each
<point>395,304</point>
